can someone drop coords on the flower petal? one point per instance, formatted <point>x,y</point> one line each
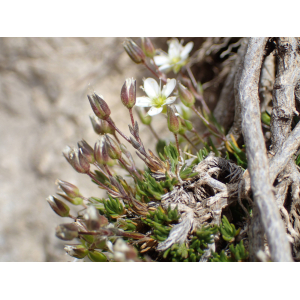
<point>174,48</point>
<point>166,68</point>
<point>143,101</point>
<point>169,87</point>
<point>161,59</point>
<point>154,111</point>
<point>151,88</point>
<point>170,100</point>
<point>186,50</point>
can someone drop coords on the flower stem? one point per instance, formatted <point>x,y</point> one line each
<point>188,68</point>
<point>117,129</point>
<point>107,170</point>
<point>131,117</point>
<point>153,131</point>
<point>184,135</point>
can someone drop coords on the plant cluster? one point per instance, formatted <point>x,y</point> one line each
<point>175,209</point>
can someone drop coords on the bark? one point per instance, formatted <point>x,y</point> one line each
<point>258,165</point>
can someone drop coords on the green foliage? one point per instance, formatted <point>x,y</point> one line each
<point>171,153</point>
<point>113,207</point>
<point>164,217</point>
<point>192,251</point>
<point>240,156</point>
<point>160,232</point>
<point>149,189</point>
<point>298,160</point>
<point>266,118</point>
<point>159,220</point>
<point>160,146</point>
<point>228,230</point>
<point>238,253</point>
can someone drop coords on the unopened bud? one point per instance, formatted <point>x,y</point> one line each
<point>113,148</point>
<point>101,152</point>
<point>101,126</point>
<point>66,232</point>
<point>148,47</point>
<point>99,106</point>
<point>186,97</point>
<point>70,189</point>
<point>74,201</point>
<point>173,121</point>
<point>145,118</point>
<point>128,93</point>
<point>58,206</point>
<point>77,251</point>
<point>134,51</point>
<point>93,219</point>
<point>87,151</point>
<point>76,159</point>
<point>96,256</point>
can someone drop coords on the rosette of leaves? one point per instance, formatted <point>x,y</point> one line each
<point>228,230</point>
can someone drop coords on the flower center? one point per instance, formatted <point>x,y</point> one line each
<point>175,60</point>
<point>159,101</point>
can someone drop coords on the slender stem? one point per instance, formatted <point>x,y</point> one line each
<point>200,115</point>
<point>107,170</point>
<point>160,76</point>
<point>184,135</point>
<point>177,144</point>
<point>99,168</point>
<point>188,68</point>
<point>116,128</point>
<point>211,128</point>
<point>153,131</point>
<point>116,137</point>
<point>131,117</point>
<point>100,183</point>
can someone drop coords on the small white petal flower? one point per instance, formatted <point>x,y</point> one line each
<point>176,58</point>
<point>157,98</point>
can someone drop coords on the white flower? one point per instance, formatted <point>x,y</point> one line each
<point>157,98</point>
<point>176,58</point>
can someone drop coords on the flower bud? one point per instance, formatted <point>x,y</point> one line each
<point>93,219</point>
<point>96,256</point>
<point>186,97</point>
<point>78,251</point>
<point>100,152</point>
<point>101,126</point>
<point>145,118</point>
<point>148,47</point>
<point>74,201</point>
<point>99,106</point>
<point>128,93</point>
<point>58,206</point>
<point>70,189</point>
<point>173,121</point>
<point>113,148</point>
<point>76,159</point>
<point>66,232</point>
<point>134,51</point>
<point>87,151</point>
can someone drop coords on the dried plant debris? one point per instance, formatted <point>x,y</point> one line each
<point>197,199</point>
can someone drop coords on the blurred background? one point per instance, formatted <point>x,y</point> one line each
<point>43,108</point>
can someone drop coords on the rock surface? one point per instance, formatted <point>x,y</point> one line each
<point>43,108</point>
